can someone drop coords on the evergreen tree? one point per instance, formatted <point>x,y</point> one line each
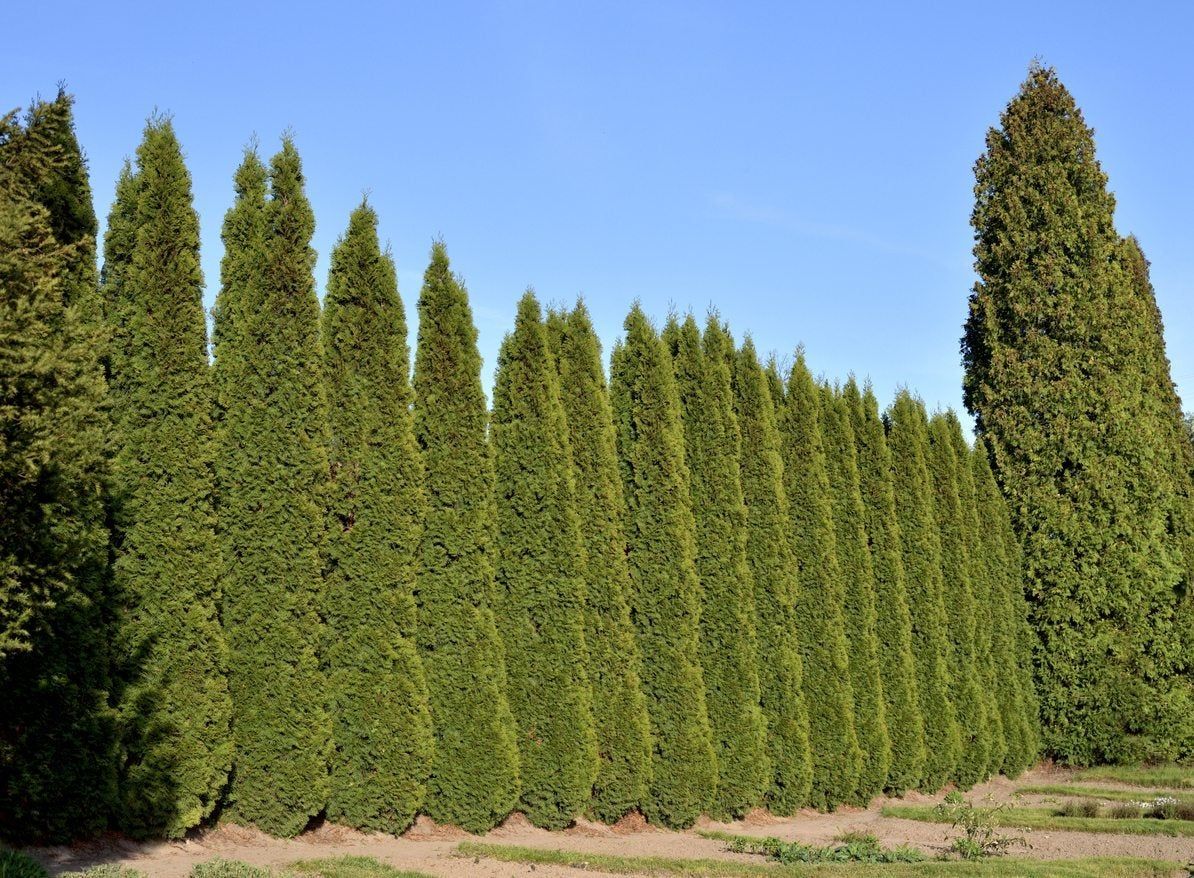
<point>540,587</point>
<point>1065,394</point>
<point>175,709</point>
<point>57,759</point>
<point>474,779</point>
<point>661,551</point>
<point>728,658</point>
<point>769,560</point>
<point>615,676</point>
<point>920,547</point>
<point>381,720</point>
<point>273,492</point>
<point>837,759</point>
<point>859,615</point>
<point>905,727</point>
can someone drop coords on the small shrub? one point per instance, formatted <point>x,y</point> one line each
<point>14,864</point>
<point>858,847</point>
<point>1185,810</point>
<point>1126,811</point>
<point>980,838</point>
<point>1163,808</point>
<point>229,869</point>
<point>107,870</point>
<point>1079,808</point>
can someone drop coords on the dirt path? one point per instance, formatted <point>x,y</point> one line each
<point>431,849</point>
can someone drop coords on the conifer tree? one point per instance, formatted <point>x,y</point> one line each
<point>57,759</point>
<point>619,707</point>
<point>175,709</point>
<point>920,547</point>
<point>825,654</point>
<point>540,588</point>
<point>381,720</point>
<point>474,779</point>
<point>859,615</point>
<point>905,728</point>
<point>273,492</point>
<point>728,658</point>
<point>665,601</point>
<point>1065,394</point>
<point>773,571</point>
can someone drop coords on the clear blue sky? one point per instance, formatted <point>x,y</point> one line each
<point>805,168</point>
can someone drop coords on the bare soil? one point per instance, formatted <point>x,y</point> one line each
<point>429,847</point>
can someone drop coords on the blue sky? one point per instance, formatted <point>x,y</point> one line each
<point>804,168</point>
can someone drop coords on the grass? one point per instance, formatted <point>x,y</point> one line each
<point>1046,818</point>
<point>1175,777</point>
<point>1091,867</point>
<point>350,867</point>
<point>852,847</point>
<point>1136,794</point>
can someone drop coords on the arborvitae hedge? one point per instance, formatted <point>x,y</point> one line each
<point>920,547</point>
<point>175,709</point>
<point>381,724</point>
<point>57,767</point>
<point>665,600</point>
<point>859,615</point>
<point>1064,392</point>
<point>773,571</point>
<point>273,491</point>
<point>540,587</point>
<point>905,728</point>
<point>728,658</point>
<point>837,759</point>
<point>474,779</point>
<point>618,705</point>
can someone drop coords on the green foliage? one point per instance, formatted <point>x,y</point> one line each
<point>665,602</point>
<point>728,660</point>
<point>350,867</point>
<point>14,864</point>
<point>220,868</point>
<point>57,759</point>
<point>618,704</point>
<point>859,614</point>
<point>381,723</point>
<point>107,870</point>
<point>920,547</point>
<point>836,757</point>
<point>540,587</point>
<point>966,679</point>
<point>860,848</point>
<point>979,824</point>
<point>474,779</point>
<point>272,495</point>
<point>1064,370</point>
<point>769,559</point>
<point>905,728</point>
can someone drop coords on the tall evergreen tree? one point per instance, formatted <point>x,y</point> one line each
<point>837,759</point>
<point>661,550</point>
<point>1065,395</point>
<point>769,559</point>
<point>540,587</point>
<point>175,709</point>
<point>474,778</point>
<point>615,671</point>
<point>859,615</point>
<point>273,491</point>
<point>905,727</point>
<point>381,720</point>
<point>57,760</point>
<point>920,547</point>
<point>728,657</point>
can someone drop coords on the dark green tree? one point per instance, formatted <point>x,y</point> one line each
<point>920,547</point>
<point>1065,393</point>
<point>837,759</point>
<point>859,615</point>
<point>661,550</point>
<point>905,728</point>
<point>273,489</point>
<point>474,779</point>
<point>614,669</point>
<point>381,723</point>
<point>175,708</point>
<point>729,662</point>
<point>57,758</point>
<point>540,584</point>
<point>773,571</point>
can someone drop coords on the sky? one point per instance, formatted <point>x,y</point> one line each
<point>805,169</point>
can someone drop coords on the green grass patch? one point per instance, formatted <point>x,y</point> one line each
<point>854,847</point>
<point>1106,795</point>
<point>1009,867</point>
<point>1045,818</point>
<point>1173,777</point>
<point>350,867</point>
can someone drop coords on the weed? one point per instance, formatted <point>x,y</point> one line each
<point>980,837</point>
